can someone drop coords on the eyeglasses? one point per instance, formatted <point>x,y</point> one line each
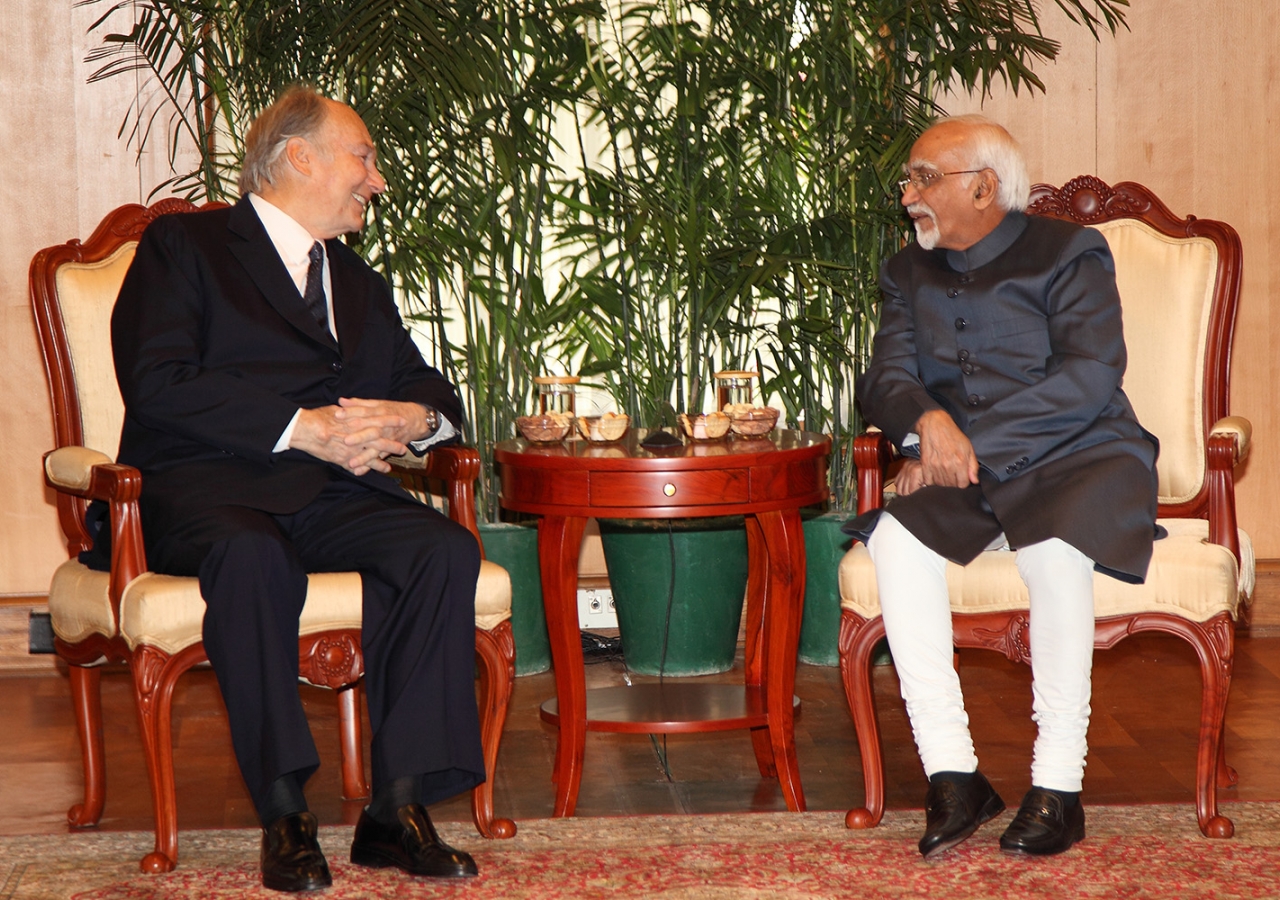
<point>922,179</point>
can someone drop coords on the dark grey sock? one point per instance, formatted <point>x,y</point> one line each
<point>284,798</point>
<point>388,798</point>
<point>1069,798</point>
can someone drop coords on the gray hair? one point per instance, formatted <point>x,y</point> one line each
<point>298,112</point>
<point>990,146</point>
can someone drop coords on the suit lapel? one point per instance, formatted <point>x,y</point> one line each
<point>251,245</point>
<point>350,297</point>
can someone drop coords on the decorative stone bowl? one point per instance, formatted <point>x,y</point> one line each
<point>755,421</point>
<point>608,427</point>
<point>705,426</point>
<point>546,428</point>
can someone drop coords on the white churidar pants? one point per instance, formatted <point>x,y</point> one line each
<point>911,580</point>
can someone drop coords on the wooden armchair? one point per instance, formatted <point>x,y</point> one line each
<point>1179,282</point>
<point>153,622</point>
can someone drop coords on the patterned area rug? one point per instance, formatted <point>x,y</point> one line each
<point>1131,852</point>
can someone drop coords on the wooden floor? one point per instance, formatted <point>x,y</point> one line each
<point>1142,745</point>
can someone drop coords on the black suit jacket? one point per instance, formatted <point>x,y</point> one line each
<point>215,351</point>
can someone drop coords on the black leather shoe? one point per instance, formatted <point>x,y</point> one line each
<point>291,857</point>
<point>411,844</point>
<point>953,810</point>
<point>1044,825</point>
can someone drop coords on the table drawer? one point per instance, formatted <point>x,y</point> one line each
<point>692,488</point>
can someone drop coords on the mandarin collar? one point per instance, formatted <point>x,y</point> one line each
<point>999,240</point>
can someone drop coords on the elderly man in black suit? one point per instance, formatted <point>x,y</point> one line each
<point>997,370</point>
<point>267,376</point>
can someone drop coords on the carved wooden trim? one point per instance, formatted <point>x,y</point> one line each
<point>331,659</point>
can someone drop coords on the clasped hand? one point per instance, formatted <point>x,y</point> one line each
<point>946,456</point>
<point>360,434</point>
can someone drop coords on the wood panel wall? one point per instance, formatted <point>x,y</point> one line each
<point>1186,101</point>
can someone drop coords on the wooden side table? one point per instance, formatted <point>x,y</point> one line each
<point>766,479</point>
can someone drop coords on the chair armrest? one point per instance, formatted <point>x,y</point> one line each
<point>1241,428</point>
<point>1227,447</point>
<point>458,467</point>
<point>90,474</point>
<point>872,453</point>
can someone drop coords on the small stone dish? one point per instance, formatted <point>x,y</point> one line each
<point>608,427</point>
<point>755,421</point>
<point>545,429</point>
<point>704,426</point>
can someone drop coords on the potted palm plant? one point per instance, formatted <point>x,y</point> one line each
<point>640,192</point>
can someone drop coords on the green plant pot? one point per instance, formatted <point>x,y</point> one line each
<point>515,548</point>
<point>824,546</point>
<point>705,601</point>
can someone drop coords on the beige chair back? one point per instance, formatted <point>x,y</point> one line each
<point>1166,290</point>
<point>87,293</point>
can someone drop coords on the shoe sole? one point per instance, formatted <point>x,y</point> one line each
<point>1029,852</point>
<point>373,860</point>
<point>292,887</point>
<point>985,815</point>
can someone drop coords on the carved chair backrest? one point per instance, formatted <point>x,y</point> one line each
<point>1179,283</point>
<point>73,289</point>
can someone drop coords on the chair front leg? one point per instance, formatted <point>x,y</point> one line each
<point>496,659</point>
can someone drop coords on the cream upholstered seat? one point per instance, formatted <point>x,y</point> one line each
<point>153,621</point>
<point>1179,282</point>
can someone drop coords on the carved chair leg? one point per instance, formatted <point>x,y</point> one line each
<point>1214,642</point>
<point>858,638</point>
<point>86,699</point>
<point>496,658</point>
<point>154,676</point>
<point>354,786</point>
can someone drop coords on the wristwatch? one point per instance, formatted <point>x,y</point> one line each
<point>433,422</point>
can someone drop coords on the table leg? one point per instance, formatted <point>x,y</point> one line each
<point>783,608</point>
<point>757,580</point>
<point>559,540</point>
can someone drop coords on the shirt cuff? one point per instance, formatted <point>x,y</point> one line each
<point>444,432</point>
<point>283,443</point>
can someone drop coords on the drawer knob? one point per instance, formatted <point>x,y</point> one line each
<point>669,489</point>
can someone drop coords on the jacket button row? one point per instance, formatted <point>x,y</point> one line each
<point>953,293</point>
<point>1010,469</point>
<point>960,324</point>
<point>336,367</point>
<point>974,399</point>
<point>966,368</point>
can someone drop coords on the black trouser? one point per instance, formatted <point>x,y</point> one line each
<point>419,571</point>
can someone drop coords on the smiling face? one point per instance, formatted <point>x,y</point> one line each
<point>952,211</point>
<point>344,174</point>
<point>329,177</point>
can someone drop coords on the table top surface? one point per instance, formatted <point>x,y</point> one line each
<point>627,454</point>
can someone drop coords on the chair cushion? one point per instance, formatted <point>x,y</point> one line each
<point>1188,577</point>
<point>167,611</point>
<point>493,596</point>
<point>79,606</point>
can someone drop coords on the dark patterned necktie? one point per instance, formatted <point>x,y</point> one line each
<point>313,294</point>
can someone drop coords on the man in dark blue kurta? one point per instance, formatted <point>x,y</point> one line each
<point>997,370</point>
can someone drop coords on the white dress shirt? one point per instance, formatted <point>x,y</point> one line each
<point>293,243</point>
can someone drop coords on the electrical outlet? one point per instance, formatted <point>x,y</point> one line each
<point>596,609</point>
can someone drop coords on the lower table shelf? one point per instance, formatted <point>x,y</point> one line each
<point>678,708</point>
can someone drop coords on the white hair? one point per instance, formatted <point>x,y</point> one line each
<point>989,146</point>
